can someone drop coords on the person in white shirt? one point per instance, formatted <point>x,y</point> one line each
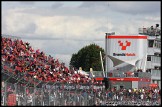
<point>142,96</point>
<point>29,100</point>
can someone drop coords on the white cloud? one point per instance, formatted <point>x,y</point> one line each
<point>36,44</point>
<point>57,5</point>
<point>27,2</point>
<point>18,23</point>
<point>151,18</point>
<point>56,26</point>
<point>63,58</point>
<point>134,7</point>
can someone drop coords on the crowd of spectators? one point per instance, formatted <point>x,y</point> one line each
<point>20,58</point>
<point>142,96</point>
<point>91,96</point>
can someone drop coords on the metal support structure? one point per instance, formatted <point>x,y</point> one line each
<point>106,57</point>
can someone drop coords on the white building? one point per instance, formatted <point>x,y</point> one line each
<point>126,52</point>
<point>133,52</point>
<point>153,64</point>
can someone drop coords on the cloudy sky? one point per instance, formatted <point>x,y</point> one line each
<point>62,28</point>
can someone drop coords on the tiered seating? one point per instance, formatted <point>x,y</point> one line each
<point>19,57</point>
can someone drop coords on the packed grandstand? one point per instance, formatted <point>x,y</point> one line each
<point>24,65</point>
<point>19,57</point>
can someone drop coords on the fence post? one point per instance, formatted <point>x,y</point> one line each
<point>33,103</point>
<point>56,96</point>
<point>95,96</point>
<point>2,88</point>
<point>5,94</point>
<point>68,96</point>
<point>16,92</point>
<point>42,93</point>
<point>49,96</point>
<point>75,98</point>
<point>25,96</point>
<point>54,92</point>
<point>60,95</point>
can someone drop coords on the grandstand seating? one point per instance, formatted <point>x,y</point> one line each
<point>19,57</point>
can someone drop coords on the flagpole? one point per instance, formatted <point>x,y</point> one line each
<point>102,64</point>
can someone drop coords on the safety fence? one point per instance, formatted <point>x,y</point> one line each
<point>16,90</point>
<point>48,95</point>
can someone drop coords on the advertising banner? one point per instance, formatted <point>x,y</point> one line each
<point>126,48</point>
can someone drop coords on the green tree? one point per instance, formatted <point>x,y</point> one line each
<point>88,57</point>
